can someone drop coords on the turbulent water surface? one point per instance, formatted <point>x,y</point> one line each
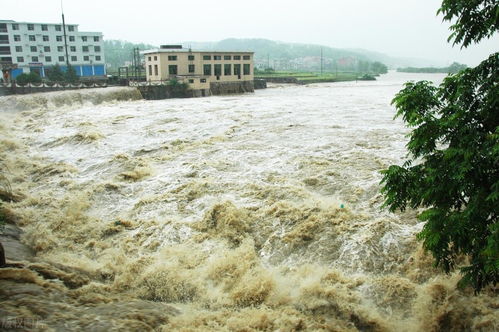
<point>230,213</point>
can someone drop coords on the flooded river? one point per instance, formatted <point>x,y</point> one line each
<point>255,212</point>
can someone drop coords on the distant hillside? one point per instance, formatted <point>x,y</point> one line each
<point>120,53</point>
<point>452,69</point>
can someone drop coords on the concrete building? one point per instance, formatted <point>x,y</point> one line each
<point>26,47</point>
<point>206,71</point>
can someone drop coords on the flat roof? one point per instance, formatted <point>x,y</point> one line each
<point>12,21</point>
<point>186,50</point>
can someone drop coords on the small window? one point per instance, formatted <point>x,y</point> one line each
<point>237,69</point>
<point>227,69</point>
<point>148,58</point>
<point>206,57</point>
<point>85,49</point>
<point>71,28</point>
<point>203,80</point>
<point>84,38</point>
<point>74,58</point>
<point>97,48</point>
<point>150,70</point>
<point>246,69</point>
<point>96,38</point>
<point>46,48</point>
<point>34,59</point>
<point>57,28</point>
<point>97,58</point>
<point>156,70</point>
<point>155,58</point>
<point>191,81</point>
<point>32,48</point>
<point>217,57</point>
<point>45,27</point>
<point>17,37</point>
<point>45,38</point>
<point>207,70</point>
<point>31,27</point>
<point>61,59</point>
<point>20,59</point>
<point>19,48</point>
<point>15,26</point>
<point>218,70</point>
<point>71,38</point>
<point>58,38</point>
<point>227,57</point>
<point>60,49</point>
<point>172,58</point>
<point>72,48</point>
<point>191,69</point>
<point>48,59</point>
<point>31,38</point>
<point>4,39</point>
<point>237,57</point>
<point>190,57</point>
<point>86,58</point>
<point>172,69</point>
<point>246,57</point>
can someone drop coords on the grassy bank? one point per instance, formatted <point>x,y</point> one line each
<point>308,77</point>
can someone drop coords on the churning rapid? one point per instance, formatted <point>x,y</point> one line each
<point>256,212</point>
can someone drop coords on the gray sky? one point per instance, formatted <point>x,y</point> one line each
<point>408,28</point>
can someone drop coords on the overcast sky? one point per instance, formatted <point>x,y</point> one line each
<point>408,28</point>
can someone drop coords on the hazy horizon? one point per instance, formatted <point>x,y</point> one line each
<point>399,29</point>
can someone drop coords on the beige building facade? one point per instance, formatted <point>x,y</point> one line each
<point>200,69</point>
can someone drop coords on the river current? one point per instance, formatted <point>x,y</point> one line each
<point>254,212</point>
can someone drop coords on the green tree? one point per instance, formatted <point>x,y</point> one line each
<point>379,68</point>
<point>453,165</point>
<point>24,78</point>
<point>70,75</point>
<point>55,74</point>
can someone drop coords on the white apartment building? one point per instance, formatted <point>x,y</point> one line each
<point>27,47</point>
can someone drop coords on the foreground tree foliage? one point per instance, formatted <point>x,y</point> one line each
<point>453,162</point>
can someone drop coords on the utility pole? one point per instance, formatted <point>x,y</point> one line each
<point>65,38</point>
<point>321,61</point>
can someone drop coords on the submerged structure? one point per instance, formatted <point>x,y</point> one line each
<point>206,72</point>
<point>36,47</point>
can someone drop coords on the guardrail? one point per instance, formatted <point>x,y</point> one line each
<point>55,85</point>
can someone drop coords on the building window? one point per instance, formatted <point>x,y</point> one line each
<point>191,81</point>
<point>20,59</point>
<point>246,69</point>
<point>191,68</point>
<point>97,48</point>
<point>96,38</point>
<point>74,58</point>
<point>4,50</point>
<point>207,70</point>
<point>156,70</point>
<point>34,59</point>
<point>31,38</point>
<point>60,49</point>
<point>227,69</point>
<point>217,57</point>
<point>150,70</point>
<point>190,57</point>
<point>48,59</point>
<point>148,58</point>
<point>206,57</point>
<point>227,57</point>
<point>237,57</point>
<point>45,38</point>
<point>246,57</point>
<point>97,58</point>
<point>45,27</point>
<point>203,80</point>
<point>172,58</point>
<point>19,48</point>
<point>155,58</point>
<point>15,26</point>
<point>84,38</point>
<point>4,39</point>
<point>172,69</point>
<point>237,69</point>
<point>31,27</point>
<point>57,28</point>
<point>3,27</point>
<point>84,49</point>
<point>218,70</point>
<point>71,28</point>
<point>32,48</point>
<point>86,58</point>
<point>72,48</point>
<point>58,38</point>
<point>61,59</point>
<point>46,48</point>
<point>71,38</point>
<point>17,37</point>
